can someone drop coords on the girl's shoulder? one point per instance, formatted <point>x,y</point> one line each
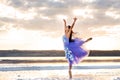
<point>64,36</point>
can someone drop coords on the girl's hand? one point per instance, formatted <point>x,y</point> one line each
<point>64,20</point>
<point>75,19</point>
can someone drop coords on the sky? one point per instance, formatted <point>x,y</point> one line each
<point>38,24</point>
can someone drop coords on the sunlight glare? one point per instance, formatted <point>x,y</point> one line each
<point>15,36</point>
<point>46,42</point>
<point>101,43</point>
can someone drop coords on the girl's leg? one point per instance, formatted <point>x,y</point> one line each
<point>70,73</point>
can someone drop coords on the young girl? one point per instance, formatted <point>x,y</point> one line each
<point>73,51</point>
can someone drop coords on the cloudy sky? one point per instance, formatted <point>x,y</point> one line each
<point>38,24</point>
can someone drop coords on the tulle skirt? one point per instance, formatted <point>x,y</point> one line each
<point>73,50</point>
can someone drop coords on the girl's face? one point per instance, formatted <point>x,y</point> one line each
<point>67,28</point>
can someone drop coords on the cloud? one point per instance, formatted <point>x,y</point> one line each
<point>43,14</point>
<point>43,18</point>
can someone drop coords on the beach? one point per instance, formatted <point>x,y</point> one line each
<point>102,74</point>
<point>56,68</point>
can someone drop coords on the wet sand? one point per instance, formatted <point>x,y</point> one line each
<point>61,75</point>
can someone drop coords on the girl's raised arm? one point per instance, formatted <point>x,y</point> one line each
<point>64,22</point>
<point>73,22</point>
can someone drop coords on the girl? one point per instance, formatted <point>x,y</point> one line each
<point>73,51</point>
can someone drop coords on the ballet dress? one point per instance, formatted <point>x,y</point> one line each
<point>74,51</point>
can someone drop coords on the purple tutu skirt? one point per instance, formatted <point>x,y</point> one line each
<point>73,50</point>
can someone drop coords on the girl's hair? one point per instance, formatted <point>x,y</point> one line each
<point>69,26</point>
<point>70,38</point>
